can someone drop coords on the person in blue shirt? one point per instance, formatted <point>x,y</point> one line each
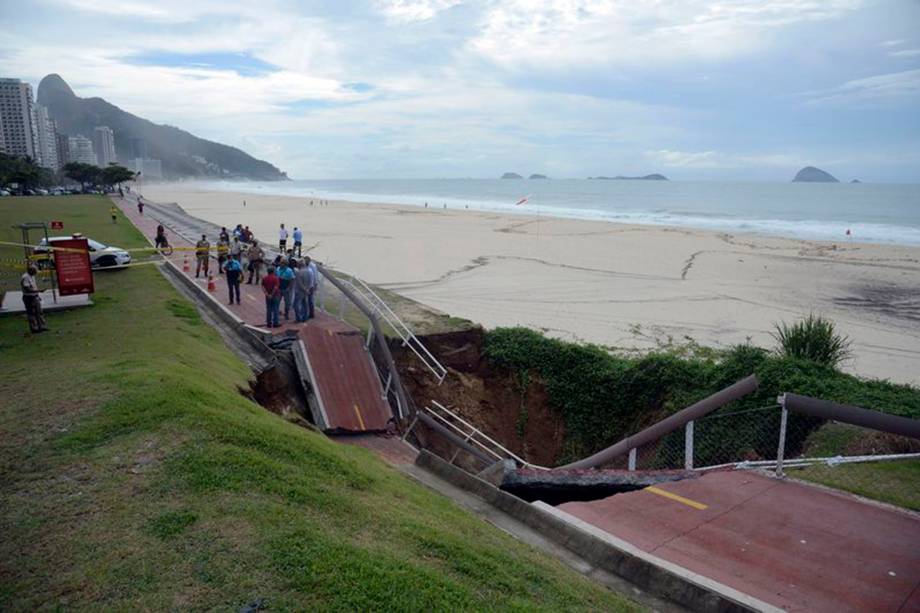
<point>298,240</point>
<point>286,276</point>
<point>234,272</point>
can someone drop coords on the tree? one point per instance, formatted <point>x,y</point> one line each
<point>115,174</point>
<point>24,172</point>
<point>84,174</point>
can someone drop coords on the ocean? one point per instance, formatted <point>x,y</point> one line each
<point>873,213</point>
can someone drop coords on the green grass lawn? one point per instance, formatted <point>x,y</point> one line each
<point>135,476</point>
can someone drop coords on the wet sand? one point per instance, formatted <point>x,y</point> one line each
<point>633,288</point>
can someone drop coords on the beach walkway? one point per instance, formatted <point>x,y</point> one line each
<point>345,381</point>
<point>792,545</point>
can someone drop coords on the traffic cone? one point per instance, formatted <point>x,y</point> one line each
<point>185,266</point>
<point>212,287</point>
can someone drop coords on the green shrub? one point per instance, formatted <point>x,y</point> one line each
<point>813,338</point>
<point>603,398</point>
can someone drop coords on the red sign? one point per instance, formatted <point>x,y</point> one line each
<point>72,266</point>
<point>57,225</point>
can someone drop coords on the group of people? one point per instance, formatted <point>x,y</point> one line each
<point>293,282</point>
<point>290,279</point>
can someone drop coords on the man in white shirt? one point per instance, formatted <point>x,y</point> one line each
<point>282,239</point>
<point>31,298</point>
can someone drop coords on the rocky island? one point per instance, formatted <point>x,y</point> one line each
<point>810,174</point>
<point>511,175</point>
<point>536,176</point>
<point>651,177</point>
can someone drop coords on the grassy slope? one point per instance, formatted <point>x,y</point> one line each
<point>135,476</point>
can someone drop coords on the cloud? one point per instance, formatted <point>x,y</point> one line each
<point>870,91</point>
<point>413,10</point>
<point>905,53</point>
<point>567,33</point>
<point>714,159</point>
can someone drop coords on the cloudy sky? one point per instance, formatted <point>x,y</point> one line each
<point>735,89</point>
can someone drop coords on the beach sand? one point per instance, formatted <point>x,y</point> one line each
<point>632,288</point>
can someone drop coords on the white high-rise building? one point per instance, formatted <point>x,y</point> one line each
<point>81,150</point>
<point>104,145</point>
<point>47,141</point>
<point>17,119</point>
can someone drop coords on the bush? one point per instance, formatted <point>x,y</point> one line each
<point>603,398</point>
<point>814,338</point>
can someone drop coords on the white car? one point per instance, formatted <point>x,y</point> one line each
<point>100,256</point>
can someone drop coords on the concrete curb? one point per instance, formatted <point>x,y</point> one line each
<point>256,338</point>
<point>658,577</point>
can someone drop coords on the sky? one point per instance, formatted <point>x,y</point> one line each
<point>729,90</point>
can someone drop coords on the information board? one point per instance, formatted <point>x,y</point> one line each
<point>72,266</point>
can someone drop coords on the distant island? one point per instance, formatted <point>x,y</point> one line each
<point>511,175</point>
<point>855,181</point>
<point>651,177</point>
<point>810,174</point>
<point>536,176</point>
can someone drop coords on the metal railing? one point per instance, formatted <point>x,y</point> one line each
<point>383,310</point>
<point>473,439</point>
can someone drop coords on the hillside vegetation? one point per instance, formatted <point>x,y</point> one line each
<point>135,476</point>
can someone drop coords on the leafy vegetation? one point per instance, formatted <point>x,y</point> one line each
<point>91,176</point>
<point>603,397</point>
<point>136,477</point>
<point>23,171</point>
<point>813,338</point>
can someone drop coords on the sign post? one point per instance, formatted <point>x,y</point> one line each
<point>57,225</point>
<point>72,266</point>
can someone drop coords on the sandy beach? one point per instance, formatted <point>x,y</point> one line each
<point>632,288</point>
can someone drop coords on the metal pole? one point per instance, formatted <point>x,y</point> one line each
<point>781,450</point>
<point>688,446</point>
<point>342,307</point>
<point>632,459</point>
<point>370,335</point>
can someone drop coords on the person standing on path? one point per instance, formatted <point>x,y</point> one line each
<point>301,288</point>
<point>271,287</point>
<point>114,213</point>
<point>282,239</point>
<point>202,248</point>
<point>313,282</point>
<point>286,276</point>
<point>298,241</point>
<point>234,272</point>
<point>224,235</point>
<point>223,250</point>
<point>256,258</point>
<point>32,300</point>
<point>140,205</point>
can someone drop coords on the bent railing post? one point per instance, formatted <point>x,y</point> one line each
<point>857,416</point>
<point>669,424</point>
<point>781,450</point>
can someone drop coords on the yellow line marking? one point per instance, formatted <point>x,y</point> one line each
<point>690,503</point>
<point>360,419</point>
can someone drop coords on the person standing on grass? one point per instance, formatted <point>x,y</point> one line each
<point>256,258</point>
<point>286,276</point>
<point>114,213</point>
<point>298,241</point>
<point>202,248</point>
<point>282,239</point>
<point>271,287</point>
<point>32,300</point>
<point>312,283</point>
<point>234,272</point>
<point>223,250</point>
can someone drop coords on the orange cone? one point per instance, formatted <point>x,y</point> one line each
<point>185,266</point>
<point>212,287</point>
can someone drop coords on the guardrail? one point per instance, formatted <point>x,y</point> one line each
<point>374,302</point>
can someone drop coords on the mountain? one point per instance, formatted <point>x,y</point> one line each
<point>536,176</point>
<point>810,174</point>
<point>511,175</point>
<point>651,177</point>
<point>181,153</point>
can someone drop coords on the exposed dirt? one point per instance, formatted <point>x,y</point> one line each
<point>490,399</point>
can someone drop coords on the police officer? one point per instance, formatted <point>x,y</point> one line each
<point>32,300</point>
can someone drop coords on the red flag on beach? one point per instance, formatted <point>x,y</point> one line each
<point>522,200</point>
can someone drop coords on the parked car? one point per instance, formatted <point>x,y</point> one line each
<point>100,255</point>
<point>4,192</point>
